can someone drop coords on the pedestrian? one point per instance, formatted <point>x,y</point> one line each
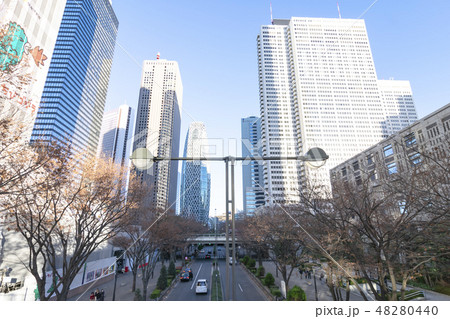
<point>301,273</point>
<point>92,296</point>
<point>321,276</point>
<point>97,295</point>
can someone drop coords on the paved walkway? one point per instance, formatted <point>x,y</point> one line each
<point>123,286</point>
<point>323,293</point>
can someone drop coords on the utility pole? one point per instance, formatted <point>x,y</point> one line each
<point>233,239</point>
<point>313,155</point>
<point>227,243</point>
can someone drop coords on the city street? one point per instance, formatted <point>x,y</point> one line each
<point>246,290</point>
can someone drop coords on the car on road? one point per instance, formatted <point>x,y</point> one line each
<point>184,276</point>
<point>201,287</point>
<point>208,256</point>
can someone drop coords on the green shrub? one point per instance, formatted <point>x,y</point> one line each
<point>442,289</point>
<point>172,272</point>
<point>137,295</point>
<point>269,280</point>
<point>276,292</point>
<point>261,271</point>
<point>245,260</point>
<point>162,280</point>
<point>296,294</point>
<point>155,294</point>
<point>251,263</point>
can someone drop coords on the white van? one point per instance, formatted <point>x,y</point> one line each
<point>201,287</point>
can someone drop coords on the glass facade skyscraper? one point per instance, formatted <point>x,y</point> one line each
<point>252,171</point>
<point>195,178</point>
<point>74,95</point>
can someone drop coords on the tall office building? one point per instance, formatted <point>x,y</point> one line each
<point>158,124</point>
<point>195,178</point>
<point>74,95</point>
<point>28,31</point>
<point>115,135</point>
<point>252,171</point>
<point>319,88</point>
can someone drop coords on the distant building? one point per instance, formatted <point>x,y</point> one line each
<point>157,128</point>
<point>73,100</point>
<point>319,88</point>
<point>252,171</point>
<point>28,31</point>
<point>115,135</point>
<point>195,178</point>
<point>400,151</point>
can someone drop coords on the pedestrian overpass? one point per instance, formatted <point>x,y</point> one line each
<point>211,239</point>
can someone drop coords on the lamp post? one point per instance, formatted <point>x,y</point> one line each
<point>316,157</point>
<point>315,285</point>
<point>115,281</point>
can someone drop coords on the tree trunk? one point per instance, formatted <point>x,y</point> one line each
<point>339,293</point>
<point>403,289</point>
<point>260,263</point>
<point>347,291</point>
<point>393,295</point>
<point>133,286</point>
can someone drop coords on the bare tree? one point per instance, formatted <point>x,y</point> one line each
<point>282,237</point>
<point>66,213</point>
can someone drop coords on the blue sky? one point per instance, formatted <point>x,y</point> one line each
<point>214,43</point>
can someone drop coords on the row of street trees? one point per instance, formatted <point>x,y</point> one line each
<point>382,231</point>
<point>66,205</point>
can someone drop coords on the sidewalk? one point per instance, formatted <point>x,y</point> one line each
<point>123,286</point>
<point>323,293</point>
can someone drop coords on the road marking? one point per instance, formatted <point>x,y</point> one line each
<point>240,287</point>
<point>196,276</point>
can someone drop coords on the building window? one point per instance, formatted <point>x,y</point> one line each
<point>370,159</point>
<point>344,171</point>
<point>355,166</point>
<point>402,207</point>
<point>388,150</point>
<point>410,140</point>
<point>392,168</point>
<point>415,159</point>
<point>373,176</point>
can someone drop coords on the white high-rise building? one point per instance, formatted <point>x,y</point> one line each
<point>157,127</point>
<point>115,135</point>
<point>398,105</point>
<point>28,32</point>
<point>319,88</point>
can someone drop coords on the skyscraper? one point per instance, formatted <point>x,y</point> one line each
<point>319,88</point>
<point>74,95</point>
<point>115,135</point>
<point>158,124</point>
<point>28,31</point>
<point>252,171</point>
<point>195,178</point>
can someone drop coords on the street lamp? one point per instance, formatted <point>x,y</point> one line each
<point>315,285</point>
<point>315,157</point>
